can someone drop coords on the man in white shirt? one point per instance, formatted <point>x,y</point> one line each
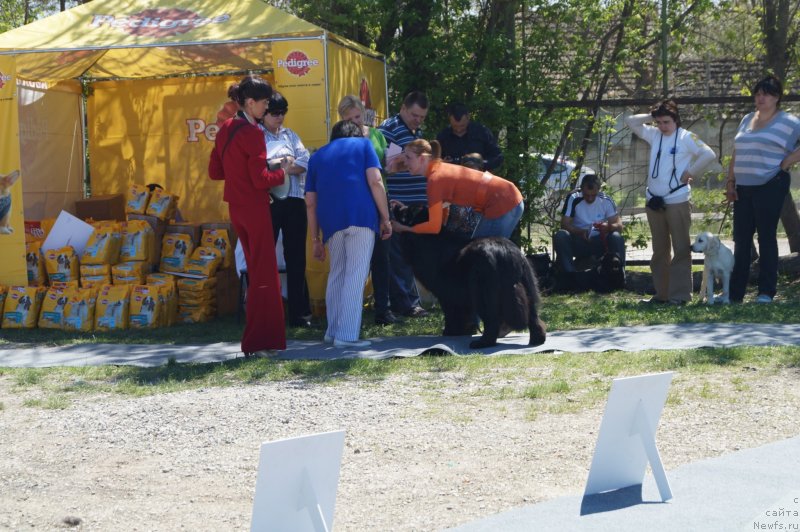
<point>590,226</point>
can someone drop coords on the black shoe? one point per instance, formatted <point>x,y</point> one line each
<point>415,312</point>
<point>300,322</point>
<point>386,318</point>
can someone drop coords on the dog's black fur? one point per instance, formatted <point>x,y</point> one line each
<point>489,276</point>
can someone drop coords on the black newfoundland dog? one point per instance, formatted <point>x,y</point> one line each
<point>489,277</point>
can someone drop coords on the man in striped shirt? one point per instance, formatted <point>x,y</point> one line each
<point>409,189</point>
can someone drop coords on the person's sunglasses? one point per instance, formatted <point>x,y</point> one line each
<point>278,113</point>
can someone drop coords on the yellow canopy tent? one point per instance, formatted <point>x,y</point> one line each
<point>150,77</point>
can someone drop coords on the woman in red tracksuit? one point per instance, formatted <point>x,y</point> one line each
<point>239,158</point>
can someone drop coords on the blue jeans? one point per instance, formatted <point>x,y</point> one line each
<point>758,209</point>
<point>502,226</point>
<point>402,286</point>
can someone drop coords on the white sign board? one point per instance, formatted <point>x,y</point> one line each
<point>626,441</point>
<point>297,481</point>
<point>68,230</point>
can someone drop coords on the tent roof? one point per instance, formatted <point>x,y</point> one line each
<point>150,38</point>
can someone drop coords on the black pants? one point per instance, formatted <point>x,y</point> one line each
<point>757,210</point>
<point>289,216</point>
<point>380,275</point>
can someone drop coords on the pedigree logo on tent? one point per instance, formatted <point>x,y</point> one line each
<point>157,22</point>
<point>4,78</point>
<point>297,63</point>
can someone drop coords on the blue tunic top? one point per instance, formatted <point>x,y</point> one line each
<point>759,152</point>
<point>337,173</point>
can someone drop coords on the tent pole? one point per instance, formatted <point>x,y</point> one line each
<point>326,84</point>
<point>87,181</point>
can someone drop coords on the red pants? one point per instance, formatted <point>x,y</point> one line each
<point>264,327</point>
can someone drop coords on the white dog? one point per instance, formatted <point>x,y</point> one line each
<point>718,265</point>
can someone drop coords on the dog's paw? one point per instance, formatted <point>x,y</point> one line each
<point>480,343</point>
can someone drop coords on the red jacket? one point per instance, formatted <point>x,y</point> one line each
<point>243,166</point>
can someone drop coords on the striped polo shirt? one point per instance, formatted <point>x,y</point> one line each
<point>403,186</point>
<point>759,153</point>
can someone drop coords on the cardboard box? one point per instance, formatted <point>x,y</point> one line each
<point>187,228</point>
<point>227,292</point>
<point>101,207</point>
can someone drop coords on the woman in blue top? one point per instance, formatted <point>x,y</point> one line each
<point>345,198</point>
<point>765,148</point>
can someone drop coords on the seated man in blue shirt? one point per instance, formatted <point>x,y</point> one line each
<point>590,227</point>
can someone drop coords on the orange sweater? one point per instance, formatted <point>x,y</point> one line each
<point>488,194</point>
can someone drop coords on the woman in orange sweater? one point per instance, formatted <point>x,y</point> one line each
<point>497,200</point>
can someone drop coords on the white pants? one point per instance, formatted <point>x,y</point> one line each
<point>350,250</point>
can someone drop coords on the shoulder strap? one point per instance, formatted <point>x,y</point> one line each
<point>234,128</point>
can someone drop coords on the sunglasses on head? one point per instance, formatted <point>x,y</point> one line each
<point>278,113</point>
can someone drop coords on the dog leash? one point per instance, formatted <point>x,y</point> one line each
<point>724,217</point>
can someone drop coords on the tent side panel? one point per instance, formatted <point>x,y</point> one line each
<point>12,227</point>
<point>51,147</point>
<point>299,69</point>
<point>354,73</point>
<point>158,131</point>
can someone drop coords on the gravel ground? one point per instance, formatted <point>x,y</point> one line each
<point>422,452</point>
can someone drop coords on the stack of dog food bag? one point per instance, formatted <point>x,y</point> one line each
<point>112,284</point>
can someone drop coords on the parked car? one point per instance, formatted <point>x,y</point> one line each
<point>562,171</point>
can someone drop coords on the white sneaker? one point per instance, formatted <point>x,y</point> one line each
<point>355,343</point>
<point>327,339</point>
<point>763,298</point>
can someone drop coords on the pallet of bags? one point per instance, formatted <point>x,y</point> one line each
<point>79,310</point>
<point>111,308</point>
<point>196,299</point>
<point>168,295</point>
<point>61,264</point>
<point>21,307</point>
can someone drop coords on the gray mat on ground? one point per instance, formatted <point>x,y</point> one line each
<point>756,489</point>
<point>639,338</point>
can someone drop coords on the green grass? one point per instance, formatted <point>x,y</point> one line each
<point>551,383</point>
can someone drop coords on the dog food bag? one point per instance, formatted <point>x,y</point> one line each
<point>201,297</point>
<point>145,307</point>
<point>131,272</point>
<point>195,313</point>
<point>61,264</point>
<point>65,284</point>
<point>79,310</point>
<point>34,262</point>
<point>219,238</point>
<point>95,270</point>
<point>189,285</point>
<point>54,307</point>
<point>3,294</point>
<point>136,199</point>
<point>138,241</point>
<point>103,246</point>
<point>162,204</point>
<point>111,310</point>
<point>161,279</point>
<point>22,305</point>
<point>204,261</point>
<point>176,248</point>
